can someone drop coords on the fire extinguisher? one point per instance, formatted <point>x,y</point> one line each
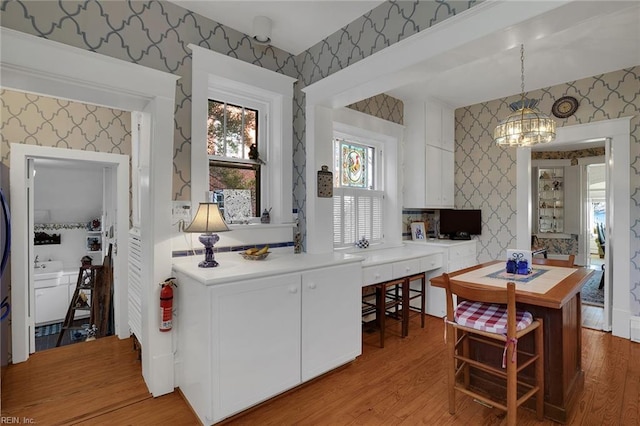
<point>166,304</point>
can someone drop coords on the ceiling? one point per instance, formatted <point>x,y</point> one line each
<point>296,25</point>
<point>578,39</point>
<point>574,40</point>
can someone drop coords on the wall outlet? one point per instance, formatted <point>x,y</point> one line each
<point>181,211</point>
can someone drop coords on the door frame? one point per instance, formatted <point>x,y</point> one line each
<point>22,291</point>
<point>58,70</point>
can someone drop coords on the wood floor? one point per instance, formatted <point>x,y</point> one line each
<point>404,383</point>
<point>592,317</point>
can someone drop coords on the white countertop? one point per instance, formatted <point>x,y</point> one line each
<point>389,255</point>
<point>434,242</point>
<point>234,268</point>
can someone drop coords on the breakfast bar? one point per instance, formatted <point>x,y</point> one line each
<point>554,296</point>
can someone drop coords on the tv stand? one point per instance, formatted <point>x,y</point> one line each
<point>460,236</point>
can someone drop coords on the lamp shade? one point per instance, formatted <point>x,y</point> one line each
<point>208,219</point>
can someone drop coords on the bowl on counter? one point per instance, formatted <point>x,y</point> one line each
<point>255,256</point>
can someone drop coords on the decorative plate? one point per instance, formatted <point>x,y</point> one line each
<point>565,107</point>
<point>255,256</point>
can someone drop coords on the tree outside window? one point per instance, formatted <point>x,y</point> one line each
<point>232,140</point>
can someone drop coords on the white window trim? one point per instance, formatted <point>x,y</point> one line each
<point>386,136</point>
<point>215,74</point>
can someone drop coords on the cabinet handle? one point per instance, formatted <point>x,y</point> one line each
<point>376,276</point>
<point>293,289</point>
<point>312,286</point>
<point>407,269</point>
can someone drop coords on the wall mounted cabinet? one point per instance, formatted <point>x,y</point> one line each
<point>429,155</point>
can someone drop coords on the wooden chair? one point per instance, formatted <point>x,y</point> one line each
<point>503,328</point>
<point>568,263</point>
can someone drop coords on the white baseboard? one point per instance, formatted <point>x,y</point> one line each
<point>620,323</point>
<point>634,328</point>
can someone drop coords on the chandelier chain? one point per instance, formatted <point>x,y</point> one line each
<point>522,68</point>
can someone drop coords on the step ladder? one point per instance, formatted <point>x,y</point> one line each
<point>97,281</point>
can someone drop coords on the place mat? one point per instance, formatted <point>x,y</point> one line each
<point>504,275</point>
<point>544,277</point>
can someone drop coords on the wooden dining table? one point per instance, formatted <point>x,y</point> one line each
<point>553,294</point>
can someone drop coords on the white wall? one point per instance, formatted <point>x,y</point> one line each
<point>64,195</point>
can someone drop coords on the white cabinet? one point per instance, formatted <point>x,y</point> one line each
<point>429,155</point>
<point>456,255</point>
<point>51,303</point>
<point>256,330</point>
<point>439,125</point>
<point>243,342</point>
<point>331,321</point>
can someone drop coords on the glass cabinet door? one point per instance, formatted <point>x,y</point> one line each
<point>550,200</point>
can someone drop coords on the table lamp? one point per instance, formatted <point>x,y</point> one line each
<point>208,220</point>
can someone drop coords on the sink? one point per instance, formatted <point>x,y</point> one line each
<point>47,270</point>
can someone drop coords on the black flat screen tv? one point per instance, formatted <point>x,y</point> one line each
<point>460,224</point>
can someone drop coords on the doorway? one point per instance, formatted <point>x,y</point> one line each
<point>115,169</point>
<point>595,220</point>
<point>72,223</point>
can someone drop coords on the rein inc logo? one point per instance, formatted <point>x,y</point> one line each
<point>15,420</point>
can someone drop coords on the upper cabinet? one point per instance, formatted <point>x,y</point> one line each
<point>428,155</point>
<point>439,126</point>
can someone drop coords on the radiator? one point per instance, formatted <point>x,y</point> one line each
<point>135,283</point>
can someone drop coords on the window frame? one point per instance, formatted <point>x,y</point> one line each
<point>375,141</point>
<point>261,109</point>
<point>221,77</point>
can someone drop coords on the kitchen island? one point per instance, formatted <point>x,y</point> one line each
<point>249,330</point>
<point>556,300</point>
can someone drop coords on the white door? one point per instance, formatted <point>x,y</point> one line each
<point>331,318</point>
<point>257,325</point>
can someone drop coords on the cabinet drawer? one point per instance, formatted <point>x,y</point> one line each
<point>466,250</point>
<point>406,267</point>
<point>376,274</point>
<point>461,263</point>
<point>431,262</point>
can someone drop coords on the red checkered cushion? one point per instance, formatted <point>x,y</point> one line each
<point>489,317</point>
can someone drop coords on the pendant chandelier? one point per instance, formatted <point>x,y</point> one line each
<point>525,126</point>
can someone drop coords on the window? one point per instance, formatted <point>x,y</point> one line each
<point>221,78</point>
<point>358,200</point>
<point>234,166</point>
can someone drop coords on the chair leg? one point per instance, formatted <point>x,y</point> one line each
<point>405,307</point>
<point>512,386</point>
<point>540,370</point>
<point>380,311</point>
<point>451,368</point>
<point>423,298</point>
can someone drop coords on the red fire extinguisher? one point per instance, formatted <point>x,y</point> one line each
<point>166,304</point>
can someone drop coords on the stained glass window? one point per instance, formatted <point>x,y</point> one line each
<point>353,166</point>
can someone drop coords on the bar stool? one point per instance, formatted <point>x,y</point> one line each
<point>414,293</point>
<point>383,305</point>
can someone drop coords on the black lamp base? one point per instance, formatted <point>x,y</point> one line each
<point>208,264</point>
<point>208,240</point>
